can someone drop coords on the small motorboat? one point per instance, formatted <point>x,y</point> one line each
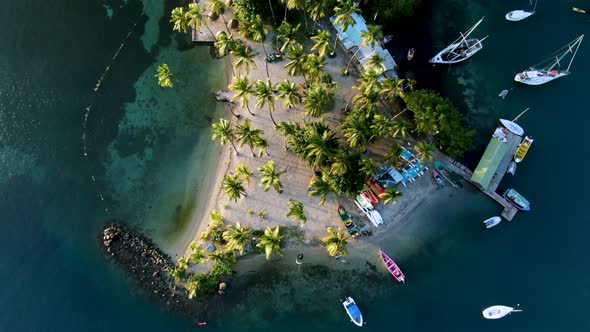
<point>377,217</point>
<point>498,311</point>
<point>353,311</point>
<point>386,39</point>
<point>517,200</point>
<point>519,15</point>
<point>439,179</point>
<point>523,148</point>
<point>503,93</point>
<point>392,267</point>
<point>511,168</point>
<point>411,52</point>
<point>491,222</point>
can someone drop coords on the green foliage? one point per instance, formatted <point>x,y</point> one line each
<point>296,212</point>
<point>438,117</point>
<point>335,242</point>
<point>249,211</point>
<point>261,214</point>
<point>390,196</point>
<point>223,264</point>
<point>233,187</point>
<point>165,77</point>
<point>351,182</point>
<point>270,177</point>
<point>246,10</point>
<point>318,99</point>
<point>271,242</point>
<point>201,284</point>
<point>236,237</point>
<point>214,231</point>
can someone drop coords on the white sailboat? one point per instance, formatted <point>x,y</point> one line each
<point>512,126</point>
<point>519,15</point>
<point>461,49</point>
<point>498,311</point>
<point>548,70</point>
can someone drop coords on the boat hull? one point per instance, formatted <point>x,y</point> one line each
<point>512,127</point>
<point>353,311</point>
<point>392,267</point>
<point>538,77</point>
<point>496,312</point>
<point>491,222</point>
<point>523,149</point>
<point>443,57</point>
<point>518,15</point>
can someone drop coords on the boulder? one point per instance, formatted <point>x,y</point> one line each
<point>222,286</point>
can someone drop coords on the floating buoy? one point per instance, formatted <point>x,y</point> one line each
<point>202,323</point>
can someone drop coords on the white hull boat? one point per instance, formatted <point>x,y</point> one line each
<point>549,70</point>
<point>461,49</point>
<point>498,311</point>
<point>353,311</point>
<point>519,15</point>
<point>513,127</point>
<point>377,217</point>
<point>373,215</point>
<point>491,222</point>
<point>511,168</point>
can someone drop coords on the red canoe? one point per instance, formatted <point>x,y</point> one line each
<point>392,267</point>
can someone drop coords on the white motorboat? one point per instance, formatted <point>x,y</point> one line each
<point>461,49</point>
<point>512,168</point>
<point>549,70</point>
<point>491,222</point>
<point>498,311</point>
<point>377,216</point>
<point>519,15</point>
<point>353,311</point>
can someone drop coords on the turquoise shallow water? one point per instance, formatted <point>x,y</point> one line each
<point>143,143</point>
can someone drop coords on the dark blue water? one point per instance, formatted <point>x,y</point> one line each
<point>143,143</point>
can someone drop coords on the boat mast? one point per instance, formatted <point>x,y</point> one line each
<point>579,42</point>
<point>569,50</point>
<point>535,6</point>
<point>464,37</point>
<point>518,116</point>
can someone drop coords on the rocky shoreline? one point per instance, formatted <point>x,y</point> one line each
<point>149,268</point>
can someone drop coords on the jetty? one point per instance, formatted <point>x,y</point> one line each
<point>491,169</point>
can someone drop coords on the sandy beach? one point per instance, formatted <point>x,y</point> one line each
<point>298,173</point>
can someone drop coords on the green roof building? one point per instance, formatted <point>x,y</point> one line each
<point>489,162</point>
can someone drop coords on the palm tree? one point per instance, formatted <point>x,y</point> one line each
<point>165,77</point>
<point>264,92</point>
<point>259,35</point>
<point>319,9</point>
<point>335,242</point>
<point>376,61</point>
<point>243,171</point>
<point>223,132</point>
<point>320,188</point>
<point>224,44</point>
<point>340,163</point>
<point>243,89</point>
<point>288,129</point>
<point>246,135</point>
<point>218,8</point>
<point>320,148</point>
<point>392,157</point>
<point>368,167</point>
<point>289,92</point>
<point>196,18</point>
<point>262,145</point>
<point>232,187</point>
<point>344,18</point>
<point>381,126</point>
<point>298,5</point>
<point>317,100</point>
<point>286,32</point>
<point>392,87</point>
<point>390,196</point>
<point>297,59</point>
<point>271,242</point>
<point>322,43</point>
<point>425,151</point>
<point>192,286</point>
<point>245,57</point>
<point>197,255</point>
<point>370,37</point>
<point>356,130</point>
<point>180,19</point>
<point>296,212</point>
<point>314,67</point>
<point>401,127</point>
<point>237,237</point>
<point>270,177</point>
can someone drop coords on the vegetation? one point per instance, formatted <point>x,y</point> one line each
<point>271,242</point>
<point>165,77</point>
<point>296,212</point>
<point>336,241</point>
<point>270,177</point>
<point>233,187</point>
<point>237,237</point>
<point>244,172</point>
<point>390,196</point>
<point>223,132</point>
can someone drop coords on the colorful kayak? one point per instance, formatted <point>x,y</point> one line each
<point>347,220</point>
<point>523,148</point>
<point>449,175</point>
<point>517,200</point>
<point>392,267</point>
<point>441,182</point>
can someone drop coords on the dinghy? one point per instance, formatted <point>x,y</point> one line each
<point>392,267</point>
<point>491,222</point>
<point>353,311</point>
<point>498,311</point>
<point>511,168</point>
<point>519,15</point>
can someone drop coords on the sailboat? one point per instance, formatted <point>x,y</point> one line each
<point>461,49</point>
<point>547,70</point>
<point>512,126</point>
<point>519,15</point>
<point>498,311</point>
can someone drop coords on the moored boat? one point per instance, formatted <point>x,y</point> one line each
<point>519,15</point>
<point>447,174</point>
<point>491,222</point>
<point>461,49</point>
<point>548,70</point>
<point>411,52</point>
<point>512,126</point>
<point>439,179</point>
<point>497,311</point>
<point>353,311</point>
<point>517,200</point>
<point>523,148</point>
<point>395,271</point>
<point>511,168</point>
<point>347,220</point>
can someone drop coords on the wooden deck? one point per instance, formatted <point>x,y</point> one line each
<point>509,210</point>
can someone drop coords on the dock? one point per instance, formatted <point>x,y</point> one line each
<point>509,210</point>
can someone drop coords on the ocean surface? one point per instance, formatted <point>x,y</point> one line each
<point>148,153</point>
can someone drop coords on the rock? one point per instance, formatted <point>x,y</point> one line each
<point>233,24</point>
<point>222,286</point>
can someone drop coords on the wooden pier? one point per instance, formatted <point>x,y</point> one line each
<point>509,210</point>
